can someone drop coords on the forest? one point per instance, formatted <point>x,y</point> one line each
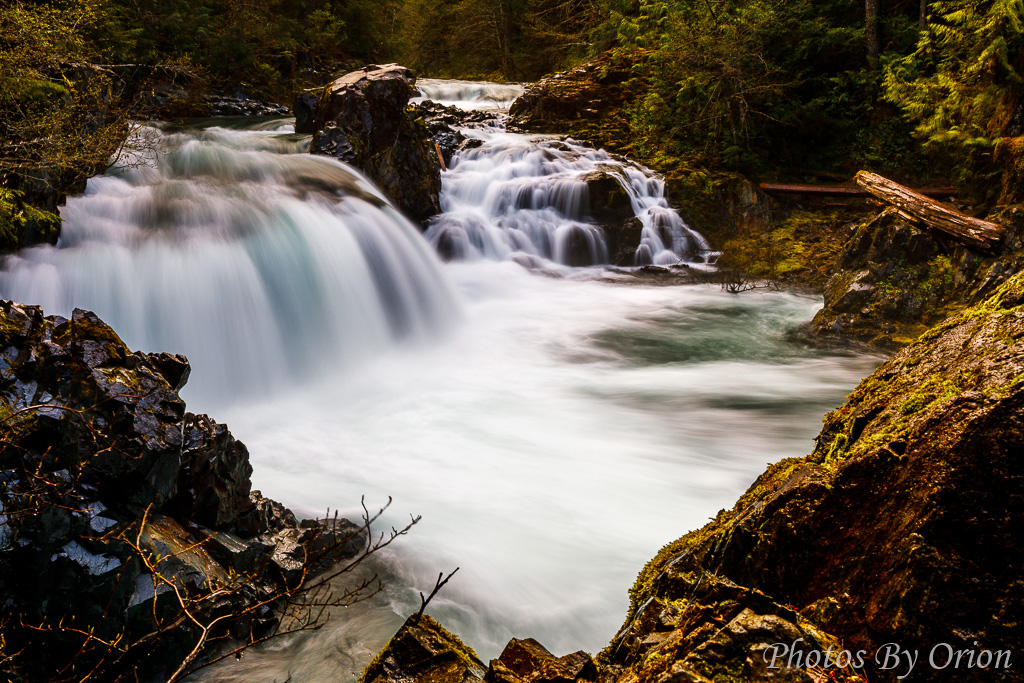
<point>929,89</point>
<point>563,419</point>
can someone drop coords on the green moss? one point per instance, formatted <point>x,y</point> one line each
<point>802,247</point>
<point>15,215</point>
<point>426,629</point>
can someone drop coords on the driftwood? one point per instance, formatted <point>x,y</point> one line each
<point>845,191</point>
<point>440,157</point>
<point>916,207</point>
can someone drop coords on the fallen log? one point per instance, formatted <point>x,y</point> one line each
<point>973,232</point>
<point>845,191</point>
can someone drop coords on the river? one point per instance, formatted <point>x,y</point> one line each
<point>554,427</point>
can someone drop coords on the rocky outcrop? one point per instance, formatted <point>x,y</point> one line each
<point>121,509</point>
<point>893,279</point>
<point>610,206</point>
<point>893,549</point>
<point>361,119</point>
<point>423,650</point>
<point>443,124</point>
<point>560,103</point>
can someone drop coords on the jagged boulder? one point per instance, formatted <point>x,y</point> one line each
<point>892,279</point>
<point>527,661</point>
<point>114,497</point>
<point>361,119</point>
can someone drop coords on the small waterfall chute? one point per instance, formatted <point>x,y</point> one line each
<point>469,95</point>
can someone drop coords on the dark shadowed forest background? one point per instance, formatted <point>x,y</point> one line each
<point>922,90</point>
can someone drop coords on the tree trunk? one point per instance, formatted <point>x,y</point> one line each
<point>844,191</point>
<point>973,232</point>
<point>871,31</point>
<point>922,20</point>
<point>505,41</point>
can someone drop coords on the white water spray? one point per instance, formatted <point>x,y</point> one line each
<point>261,264</point>
<point>527,199</point>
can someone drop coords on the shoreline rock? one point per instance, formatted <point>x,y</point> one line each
<point>115,498</point>
<point>893,279</point>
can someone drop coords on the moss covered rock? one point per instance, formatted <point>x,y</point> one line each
<point>564,101</point>
<point>893,279</point>
<point>902,526</point>
<point>423,651</point>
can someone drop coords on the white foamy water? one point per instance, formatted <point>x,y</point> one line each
<point>526,198</point>
<point>261,264</point>
<point>554,432</point>
<point>469,95</point>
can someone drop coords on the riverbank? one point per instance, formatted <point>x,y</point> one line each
<point>799,580</point>
<point>651,333</point>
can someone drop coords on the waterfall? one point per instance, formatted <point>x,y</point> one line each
<point>260,263</point>
<point>470,95</point>
<point>528,199</point>
<point>559,436</point>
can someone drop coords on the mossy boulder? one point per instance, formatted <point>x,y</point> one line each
<point>425,652</point>
<point>563,101</point>
<point>893,279</point>
<point>902,526</point>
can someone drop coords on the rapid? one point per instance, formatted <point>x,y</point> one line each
<point>554,424</point>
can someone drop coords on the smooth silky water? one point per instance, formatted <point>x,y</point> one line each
<point>554,430</point>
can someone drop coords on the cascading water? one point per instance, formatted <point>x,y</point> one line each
<point>552,441</point>
<point>527,198</point>
<point>469,95</point>
<point>263,265</point>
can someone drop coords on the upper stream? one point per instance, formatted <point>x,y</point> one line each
<point>554,430</point>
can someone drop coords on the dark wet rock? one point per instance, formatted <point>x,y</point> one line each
<point>579,247</point>
<point>443,124</point>
<point>558,103</point>
<point>361,119</point>
<point>423,651</point>
<point>893,279</point>
<point>610,207</point>
<point>240,104</point>
<point>102,466</point>
<point>304,109</point>
<point>213,475</point>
